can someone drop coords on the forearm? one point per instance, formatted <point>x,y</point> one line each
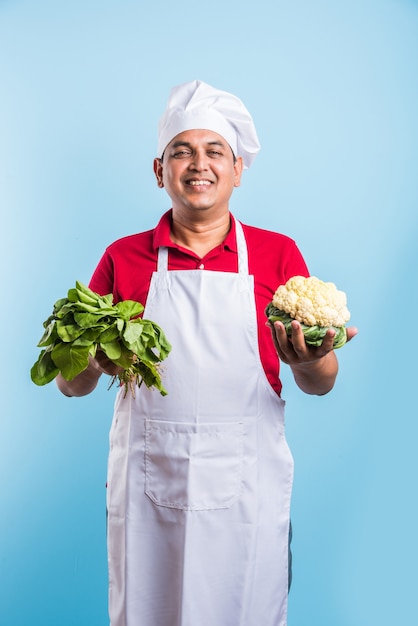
<point>316,377</point>
<point>81,385</point>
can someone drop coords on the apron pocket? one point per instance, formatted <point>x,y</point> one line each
<point>193,466</point>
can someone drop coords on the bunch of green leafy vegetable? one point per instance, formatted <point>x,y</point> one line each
<point>85,322</point>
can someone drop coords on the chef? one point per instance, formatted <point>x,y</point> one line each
<point>200,480</point>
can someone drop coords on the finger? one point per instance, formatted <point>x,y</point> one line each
<point>351,332</point>
<point>298,339</point>
<point>279,335</point>
<point>328,341</point>
<point>282,342</point>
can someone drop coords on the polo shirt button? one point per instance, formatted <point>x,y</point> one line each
<point>202,266</point>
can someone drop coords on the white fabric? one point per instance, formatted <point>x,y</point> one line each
<point>199,481</point>
<point>197,105</point>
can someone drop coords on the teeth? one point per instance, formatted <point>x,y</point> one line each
<point>197,183</point>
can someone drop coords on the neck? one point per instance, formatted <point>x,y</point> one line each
<point>200,236</point>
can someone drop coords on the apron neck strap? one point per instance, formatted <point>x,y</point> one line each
<point>162,264</point>
<point>242,249</point>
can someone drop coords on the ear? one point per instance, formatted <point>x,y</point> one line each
<point>158,171</point>
<point>238,167</point>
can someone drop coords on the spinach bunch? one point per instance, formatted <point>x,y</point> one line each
<point>85,322</point>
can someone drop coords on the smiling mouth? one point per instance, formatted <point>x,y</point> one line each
<point>199,183</point>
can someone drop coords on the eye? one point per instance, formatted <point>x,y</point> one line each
<point>215,153</point>
<point>181,154</point>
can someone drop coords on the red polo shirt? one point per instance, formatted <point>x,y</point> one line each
<point>127,265</point>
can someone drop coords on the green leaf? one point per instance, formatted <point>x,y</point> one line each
<point>163,343</point>
<point>44,370</point>
<point>91,308</point>
<point>83,294</point>
<point>132,333</point>
<point>89,337</point>
<point>83,290</point>
<point>49,336</point>
<point>71,360</point>
<point>59,304</point>
<point>128,309</point>
<point>150,375</point>
<point>125,359</point>
<point>112,349</point>
<point>120,323</point>
<point>66,309</point>
<point>108,334</point>
<point>68,331</point>
<point>106,302</point>
<point>87,320</point>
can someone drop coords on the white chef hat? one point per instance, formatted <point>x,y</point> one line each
<point>196,105</point>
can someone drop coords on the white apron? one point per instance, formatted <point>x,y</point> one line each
<point>199,481</point>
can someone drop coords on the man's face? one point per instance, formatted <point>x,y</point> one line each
<point>198,172</point>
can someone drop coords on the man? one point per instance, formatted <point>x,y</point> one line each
<point>199,481</point>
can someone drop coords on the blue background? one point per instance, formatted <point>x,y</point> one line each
<point>332,87</point>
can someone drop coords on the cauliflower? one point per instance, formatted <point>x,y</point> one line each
<point>317,305</point>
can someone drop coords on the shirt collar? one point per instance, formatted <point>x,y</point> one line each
<point>163,229</point>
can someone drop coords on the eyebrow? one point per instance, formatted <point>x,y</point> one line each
<point>187,144</point>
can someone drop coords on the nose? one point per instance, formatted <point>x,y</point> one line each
<point>199,161</point>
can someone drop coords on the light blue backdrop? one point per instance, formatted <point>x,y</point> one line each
<point>333,90</point>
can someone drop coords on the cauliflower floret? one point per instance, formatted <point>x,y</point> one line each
<point>312,302</point>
